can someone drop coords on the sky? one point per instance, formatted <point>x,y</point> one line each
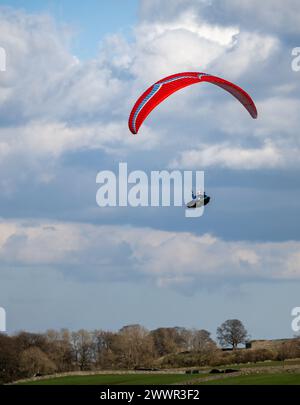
<point>73,72</point>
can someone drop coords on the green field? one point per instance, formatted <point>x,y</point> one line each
<point>261,379</point>
<point>117,379</point>
<point>159,379</point>
<point>263,364</point>
<point>280,373</point>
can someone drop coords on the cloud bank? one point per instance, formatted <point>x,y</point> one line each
<point>168,259</point>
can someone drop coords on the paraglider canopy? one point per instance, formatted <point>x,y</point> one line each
<point>162,89</point>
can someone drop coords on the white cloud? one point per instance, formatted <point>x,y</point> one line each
<point>164,47</point>
<point>51,139</point>
<point>269,15</point>
<point>52,103</point>
<point>232,157</point>
<point>249,50</point>
<point>167,258</point>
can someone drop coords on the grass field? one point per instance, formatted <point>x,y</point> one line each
<point>261,379</point>
<point>280,373</point>
<point>117,379</point>
<point>263,364</point>
<point>159,379</point>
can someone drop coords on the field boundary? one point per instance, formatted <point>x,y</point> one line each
<point>247,371</point>
<point>243,371</point>
<point>98,372</point>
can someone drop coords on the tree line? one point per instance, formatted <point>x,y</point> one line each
<point>27,354</point>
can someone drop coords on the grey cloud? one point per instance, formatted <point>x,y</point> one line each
<point>116,253</point>
<point>269,16</point>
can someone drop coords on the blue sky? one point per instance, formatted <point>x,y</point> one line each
<point>90,21</point>
<point>73,74</point>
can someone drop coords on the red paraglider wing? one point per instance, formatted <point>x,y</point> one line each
<point>162,89</point>
<point>236,91</point>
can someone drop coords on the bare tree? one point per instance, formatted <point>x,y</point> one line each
<point>82,344</point>
<point>203,345</point>
<point>104,343</point>
<point>25,340</point>
<point>34,361</point>
<point>288,350</point>
<point>60,349</point>
<point>170,340</point>
<point>134,346</point>
<point>232,333</point>
<point>9,359</point>
<point>202,342</point>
